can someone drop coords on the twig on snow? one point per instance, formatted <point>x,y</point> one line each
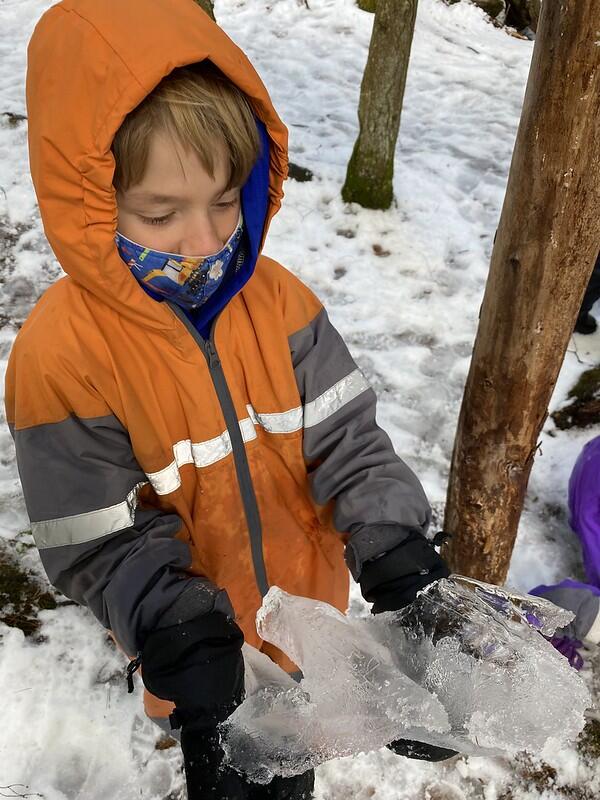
<point>15,793</point>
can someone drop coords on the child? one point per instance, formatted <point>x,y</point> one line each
<point>583,599</point>
<point>190,428</point>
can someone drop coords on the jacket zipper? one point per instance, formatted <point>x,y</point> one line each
<point>240,458</point>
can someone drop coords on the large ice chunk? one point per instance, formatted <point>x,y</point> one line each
<point>479,649</point>
<point>463,667</point>
<point>352,697</point>
<point>536,611</point>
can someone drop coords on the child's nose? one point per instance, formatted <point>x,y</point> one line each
<point>200,239</point>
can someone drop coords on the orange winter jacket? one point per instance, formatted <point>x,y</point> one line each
<point>161,469</point>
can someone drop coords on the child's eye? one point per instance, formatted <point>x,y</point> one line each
<point>227,204</point>
<point>156,220</point>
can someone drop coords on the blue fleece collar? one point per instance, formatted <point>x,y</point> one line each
<point>255,201</point>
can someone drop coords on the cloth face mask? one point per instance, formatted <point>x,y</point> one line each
<point>188,281</point>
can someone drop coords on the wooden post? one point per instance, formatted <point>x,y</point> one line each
<point>546,245</point>
<point>371,167</point>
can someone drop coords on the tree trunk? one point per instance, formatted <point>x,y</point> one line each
<point>371,168</point>
<point>546,245</point>
<point>535,9</point>
<point>208,6</point>
<point>367,5</point>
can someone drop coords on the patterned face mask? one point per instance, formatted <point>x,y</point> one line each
<point>186,280</point>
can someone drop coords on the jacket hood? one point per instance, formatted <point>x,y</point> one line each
<point>91,62</point>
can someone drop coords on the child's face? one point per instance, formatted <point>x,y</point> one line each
<point>177,207</point>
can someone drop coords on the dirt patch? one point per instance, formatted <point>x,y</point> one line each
<point>538,776</point>
<point>166,742</point>
<point>588,743</point>
<point>298,173</point>
<point>12,120</point>
<point>380,251</point>
<point>584,410</point>
<point>22,593</point>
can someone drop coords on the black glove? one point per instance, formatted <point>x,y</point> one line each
<point>198,665</point>
<point>391,582</point>
<point>299,787</point>
<point>420,750</point>
<point>207,777</point>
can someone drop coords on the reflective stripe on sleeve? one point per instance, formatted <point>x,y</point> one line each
<point>335,398</point>
<point>320,409</point>
<point>88,526</point>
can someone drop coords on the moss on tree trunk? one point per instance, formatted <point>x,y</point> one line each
<point>367,5</point>
<point>371,167</point>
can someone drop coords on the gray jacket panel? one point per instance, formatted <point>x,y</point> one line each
<point>76,466</point>
<point>582,602</point>
<point>350,458</point>
<point>80,479</point>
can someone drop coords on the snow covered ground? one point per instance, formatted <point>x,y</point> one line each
<point>404,287</point>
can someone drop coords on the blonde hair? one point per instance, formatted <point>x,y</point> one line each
<point>200,109</point>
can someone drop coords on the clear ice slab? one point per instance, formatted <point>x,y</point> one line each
<point>465,666</point>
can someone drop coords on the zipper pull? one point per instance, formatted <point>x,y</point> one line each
<point>133,667</point>
<point>212,355</point>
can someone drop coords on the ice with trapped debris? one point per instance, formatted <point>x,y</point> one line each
<point>466,666</point>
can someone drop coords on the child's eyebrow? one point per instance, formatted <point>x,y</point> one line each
<point>226,190</point>
<point>167,199</point>
<point>149,197</point>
